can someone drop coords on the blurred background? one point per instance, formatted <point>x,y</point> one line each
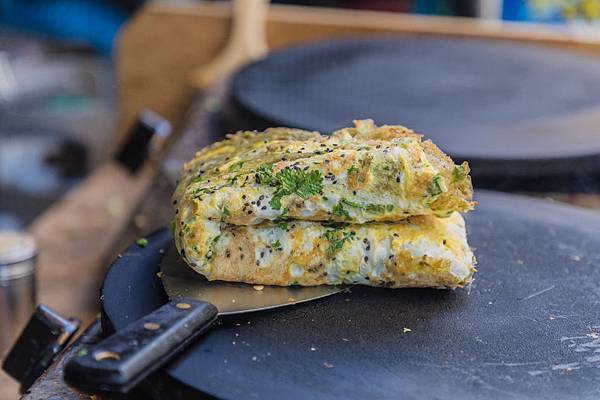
<point>58,88</point>
<point>512,86</point>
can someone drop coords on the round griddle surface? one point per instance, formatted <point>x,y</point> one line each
<point>527,329</point>
<point>478,100</point>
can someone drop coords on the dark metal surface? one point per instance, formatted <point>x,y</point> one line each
<point>42,339</point>
<point>501,106</point>
<point>528,328</point>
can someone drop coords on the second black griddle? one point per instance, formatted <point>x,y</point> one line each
<point>527,329</point>
<point>510,109</point>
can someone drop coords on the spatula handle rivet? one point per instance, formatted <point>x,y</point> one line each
<point>183,306</point>
<point>151,326</point>
<point>106,355</point>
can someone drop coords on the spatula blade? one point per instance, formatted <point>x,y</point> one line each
<point>179,280</point>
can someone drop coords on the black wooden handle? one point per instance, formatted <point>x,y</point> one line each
<point>121,361</point>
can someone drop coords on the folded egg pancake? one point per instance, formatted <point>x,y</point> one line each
<point>361,174</point>
<point>422,251</point>
<point>367,204</point>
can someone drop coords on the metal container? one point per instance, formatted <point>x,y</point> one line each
<point>17,284</point>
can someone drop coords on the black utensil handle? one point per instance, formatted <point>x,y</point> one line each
<point>121,361</point>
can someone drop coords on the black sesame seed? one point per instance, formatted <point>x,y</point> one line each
<point>244,196</point>
<point>366,258</point>
<point>368,247</point>
<point>398,179</point>
<point>262,196</point>
<point>263,208</point>
<point>354,192</point>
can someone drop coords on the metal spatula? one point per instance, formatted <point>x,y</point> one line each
<point>121,361</point>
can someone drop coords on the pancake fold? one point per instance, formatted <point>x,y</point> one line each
<point>369,205</point>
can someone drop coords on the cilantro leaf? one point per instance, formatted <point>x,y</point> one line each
<point>291,181</point>
<point>437,186</point>
<point>283,225</point>
<point>264,175</point>
<point>225,212</point>
<point>336,240</point>
<point>339,210</point>
<point>236,167</point>
<point>371,207</point>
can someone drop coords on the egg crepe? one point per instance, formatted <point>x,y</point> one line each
<point>371,205</point>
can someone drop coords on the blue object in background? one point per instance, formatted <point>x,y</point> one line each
<point>523,10</point>
<point>94,21</point>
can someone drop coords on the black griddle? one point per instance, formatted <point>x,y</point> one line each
<point>527,329</point>
<point>498,105</point>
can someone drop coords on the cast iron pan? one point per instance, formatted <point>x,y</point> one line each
<point>509,109</point>
<point>527,329</point>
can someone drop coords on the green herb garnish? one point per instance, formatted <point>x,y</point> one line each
<point>211,248</point>
<point>437,186</point>
<point>142,242</point>
<point>82,352</point>
<point>336,239</point>
<point>225,212</point>
<point>370,207</point>
<point>458,173</point>
<point>353,169</point>
<point>236,167</point>
<point>339,210</point>
<point>283,225</point>
<point>264,175</point>
<point>290,181</point>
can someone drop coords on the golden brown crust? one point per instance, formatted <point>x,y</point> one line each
<point>419,252</point>
<point>234,192</point>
